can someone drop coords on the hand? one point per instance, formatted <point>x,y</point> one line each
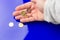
<point>40,4</point>
<point>35,15</point>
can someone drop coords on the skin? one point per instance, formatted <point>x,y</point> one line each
<point>36,13</point>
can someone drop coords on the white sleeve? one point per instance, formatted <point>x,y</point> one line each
<point>52,11</point>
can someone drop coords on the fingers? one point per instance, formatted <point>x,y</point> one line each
<point>27,19</point>
<point>24,6</point>
<point>22,19</point>
<point>16,13</point>
<point>29,14</point>
<point>19,9</point>
<point>34,1</point>
<point>20,16</point>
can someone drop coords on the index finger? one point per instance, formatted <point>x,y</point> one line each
<point>24,6</point>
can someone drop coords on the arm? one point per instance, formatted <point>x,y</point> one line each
<point>51,11</point>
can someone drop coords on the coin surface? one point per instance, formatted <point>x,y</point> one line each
<point>11,24</point>
<point>20,24</point>
<point>23,13</point>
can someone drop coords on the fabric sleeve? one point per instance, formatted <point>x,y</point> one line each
<point>52,11</point>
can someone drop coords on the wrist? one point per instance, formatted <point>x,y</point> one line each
<point>40,4</point>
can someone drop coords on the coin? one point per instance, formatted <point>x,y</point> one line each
<point>11,24</point>
<point>23,13</point>
<point>20,24</point>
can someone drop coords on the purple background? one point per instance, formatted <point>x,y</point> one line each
<point>6,33</point>
<point>31,31</point>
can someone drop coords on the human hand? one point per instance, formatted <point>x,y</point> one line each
<point>40,4</point>
<point>34,15</point>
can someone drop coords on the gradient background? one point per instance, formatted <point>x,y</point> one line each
<point>31,31</point>
<point>6,33</point>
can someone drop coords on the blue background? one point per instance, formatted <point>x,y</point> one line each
<point>31,31</point>
<point>43,30</point>
<point>7,7</point>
